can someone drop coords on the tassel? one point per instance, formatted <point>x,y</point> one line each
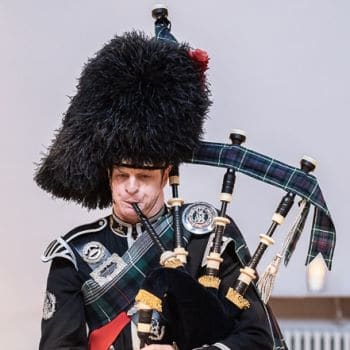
<point>266,282</point>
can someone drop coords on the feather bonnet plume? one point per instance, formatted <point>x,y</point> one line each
<point>139,100</point>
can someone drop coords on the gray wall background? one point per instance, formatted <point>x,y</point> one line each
<point>278,69</point>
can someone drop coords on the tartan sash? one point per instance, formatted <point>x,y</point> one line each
<point>103,303</point>
<point>281,175</point>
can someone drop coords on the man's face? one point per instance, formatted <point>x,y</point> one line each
<point>143,186</point>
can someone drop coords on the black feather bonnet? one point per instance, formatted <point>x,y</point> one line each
<point>139,100</point>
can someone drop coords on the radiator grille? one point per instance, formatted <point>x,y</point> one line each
<point>317,340</point>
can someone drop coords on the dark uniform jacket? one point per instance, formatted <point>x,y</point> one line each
<point>82,298</point>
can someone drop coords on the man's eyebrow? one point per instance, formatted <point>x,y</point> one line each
<point>143,173</point>
<point>147,171</point>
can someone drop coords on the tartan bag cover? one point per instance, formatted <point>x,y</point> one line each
<point>281,175</point>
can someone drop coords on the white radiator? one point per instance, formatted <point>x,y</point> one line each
<point>317,340</point>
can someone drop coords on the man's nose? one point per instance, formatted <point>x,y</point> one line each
<point>132,185</point>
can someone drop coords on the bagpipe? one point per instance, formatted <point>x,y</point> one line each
<point>194,310</point>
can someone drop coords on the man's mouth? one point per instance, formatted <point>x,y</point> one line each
<point>130,203</point>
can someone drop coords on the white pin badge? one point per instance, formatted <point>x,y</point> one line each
<point>93,252</point>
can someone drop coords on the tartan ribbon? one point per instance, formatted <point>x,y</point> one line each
<point>296,231</point>
<point>281,175</point>
<point>162,31</point>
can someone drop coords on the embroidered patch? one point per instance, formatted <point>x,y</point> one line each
<point>93,252</point>
<point>109,269</point>
<point>198,218</point>
<point>49,305</point>
<point>157,330</point>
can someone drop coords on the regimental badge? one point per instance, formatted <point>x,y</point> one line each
<point>107,270</point>
<point>198,218</point>
<point>49,305</point>
<point>93,252</point>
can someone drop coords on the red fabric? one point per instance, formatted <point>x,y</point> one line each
<point>102,338</point>
<point>201,58</point>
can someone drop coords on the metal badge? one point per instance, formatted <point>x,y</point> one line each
<point>49,305</point>
<point>199,217</point>
<point>109,269</point>
<point>93,252</point>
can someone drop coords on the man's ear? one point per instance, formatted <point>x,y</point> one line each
<point>166,175</point>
